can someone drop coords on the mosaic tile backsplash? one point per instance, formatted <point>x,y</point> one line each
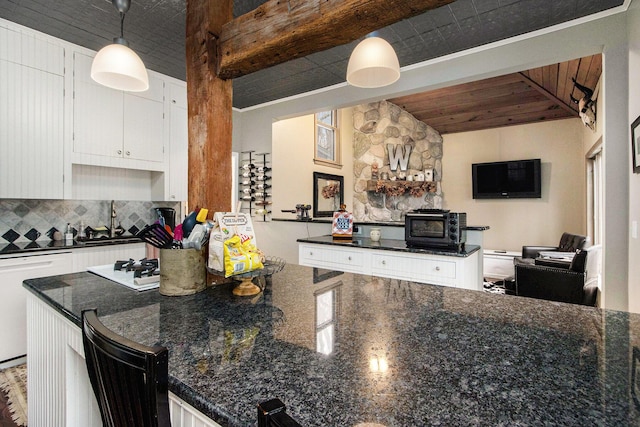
<point>31,220</point>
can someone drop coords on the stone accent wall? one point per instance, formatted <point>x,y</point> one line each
<point>375,126</point>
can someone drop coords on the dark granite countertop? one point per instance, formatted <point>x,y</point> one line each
<point>372,224</point>
<point>389,245</point>
<point>55,245</point>
<point>341,349</point>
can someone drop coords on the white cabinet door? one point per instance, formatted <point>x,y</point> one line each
<point>13,312</point>
<point>97,113</point>
<point>178,144</point>
<point>143,129</point>
<point>31,133</point>
<point>111,123</point>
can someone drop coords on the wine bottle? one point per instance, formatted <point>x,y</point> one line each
<point>248,166</point>
<point>248,198</point>
<point>248,174</point>
<point>248,190</point>
<point>263,186</point>
<point>262,177</point>
<point>248,182</point>
<point>262,195</point>
<point>262,212</point>
<point>263,169</point>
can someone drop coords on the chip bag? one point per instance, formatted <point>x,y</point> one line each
<point>226,225</point>
<point>240,256</point>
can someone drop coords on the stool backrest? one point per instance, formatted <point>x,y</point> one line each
<point>130,380</point>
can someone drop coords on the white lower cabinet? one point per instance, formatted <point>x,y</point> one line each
<point>13,317</point>
<point>59,392</point>
<point>455,271</point>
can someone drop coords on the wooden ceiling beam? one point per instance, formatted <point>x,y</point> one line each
<point>278,31</point>
<point>551,96</point>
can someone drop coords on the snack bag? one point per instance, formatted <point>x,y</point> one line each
<point>240,256</point>
<point>226,225</point>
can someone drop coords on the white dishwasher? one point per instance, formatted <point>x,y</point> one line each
<point>13,305</point>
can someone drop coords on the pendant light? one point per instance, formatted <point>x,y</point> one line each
<point>116,65</point>
<point>373,63</point>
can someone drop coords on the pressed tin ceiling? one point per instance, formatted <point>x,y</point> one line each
<point>155,29</point>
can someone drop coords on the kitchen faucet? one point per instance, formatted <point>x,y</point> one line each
<point>112,230</point>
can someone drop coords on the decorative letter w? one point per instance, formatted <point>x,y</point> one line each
<point>398,155</point>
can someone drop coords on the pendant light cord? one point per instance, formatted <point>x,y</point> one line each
<point>122,25</point>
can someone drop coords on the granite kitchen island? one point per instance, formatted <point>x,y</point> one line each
<point>342,349</point>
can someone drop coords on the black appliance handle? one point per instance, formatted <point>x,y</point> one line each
<point>273,413</point>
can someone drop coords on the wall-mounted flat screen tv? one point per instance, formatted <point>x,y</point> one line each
<point>506,180</point>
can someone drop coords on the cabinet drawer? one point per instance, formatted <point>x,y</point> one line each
<point>411,268</point>
<point>330,256</point>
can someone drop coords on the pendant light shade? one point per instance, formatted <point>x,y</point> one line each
<point>373,63</point>
<point>116,65</point>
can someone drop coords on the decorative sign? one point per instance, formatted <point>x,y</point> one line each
<point>398,156</point>
<point>342,225</point>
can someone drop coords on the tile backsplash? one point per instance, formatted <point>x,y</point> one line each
<point>30,220</point>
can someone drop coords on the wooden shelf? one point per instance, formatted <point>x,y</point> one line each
<point>384,186</point>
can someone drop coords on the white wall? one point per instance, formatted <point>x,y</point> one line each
<point>518,222</point>
<point>634,179</point>
<point>293,166</point>
<point>602,33</point>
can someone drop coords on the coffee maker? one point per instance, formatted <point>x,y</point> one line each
<point>168,216</point>
<point>302,212</point>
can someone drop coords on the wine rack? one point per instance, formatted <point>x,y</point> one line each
<point>255,183</point>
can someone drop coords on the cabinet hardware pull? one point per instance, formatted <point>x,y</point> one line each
<point>384,262</point>
<point>310,253</point>
<point>349,258</point>
<point>128,153</point>
<point>119,151</point>
<point>438,268</point>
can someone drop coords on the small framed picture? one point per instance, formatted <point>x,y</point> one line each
<point>635,145</point>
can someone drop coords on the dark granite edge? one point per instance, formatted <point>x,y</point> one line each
<point>31,247</point>
<point>389,245</point>
<point>60,309</point>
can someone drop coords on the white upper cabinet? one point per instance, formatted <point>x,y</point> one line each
<point>116,129</point>
<point>31,117</point>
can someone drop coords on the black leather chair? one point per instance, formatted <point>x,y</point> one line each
<point>576,283</point>
<point>130,380</point>
<point>568,243</point>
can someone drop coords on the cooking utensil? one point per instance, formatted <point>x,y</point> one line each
<point>202,215</point>
<point>188,223</point>
<point>156,235</point>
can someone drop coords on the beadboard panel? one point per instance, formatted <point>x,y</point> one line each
<point>103,183</point>
<point>31,132</point>
<point>31,51</point>
<point>103,255</point>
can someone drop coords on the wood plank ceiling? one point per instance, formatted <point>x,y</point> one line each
<point>529,96</point>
